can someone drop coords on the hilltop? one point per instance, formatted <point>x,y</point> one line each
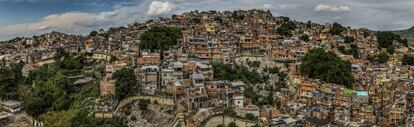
<point>192,18</point>
<point>407,34</point>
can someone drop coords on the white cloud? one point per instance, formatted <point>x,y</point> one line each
<point>160,8</point>
<point>281,6</point>
<point>331,8</point>
<point>55,21</point>
<point>83,23</point>
<point>267,6</point>
<point>78,22</point>
<point>288,6</point>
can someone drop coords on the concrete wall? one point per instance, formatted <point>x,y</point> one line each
<point>217,120</point>
<point>244,112</point>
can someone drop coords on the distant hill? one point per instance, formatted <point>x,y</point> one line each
<point>408,34</point>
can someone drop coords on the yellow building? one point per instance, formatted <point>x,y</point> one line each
<point>209,27</point>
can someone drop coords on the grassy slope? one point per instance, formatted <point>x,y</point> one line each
<point>408,33</point>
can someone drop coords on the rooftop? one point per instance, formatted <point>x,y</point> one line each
<point>362,93</point>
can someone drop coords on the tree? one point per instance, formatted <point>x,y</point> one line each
<point>35,107</point>
<point>72,62</point>
<point>69,61</point>
<point>386,39</point>
<point>280,84</point>
<point>196,20</point>
<point>371,58</point>
<point>304,38</point>
<point>285,19</point>
<point>383,57</point>
<point>390,49</point>
<point>113,58</point>
<point>404,41</point>
<point>282,76</point>
<point>58,118</point>
<point>230,112</point>
<point>352,51</point>
<point>24,92</point>
<point>218,19</point>
<point>60,55</point>
<point>10,79</point>
<point>50,93</point>
<point>143,104</point>
<point>93,33</point>
<point>254,64</point>
<point>327,67</point>
<point>337,29</point>
<point>236,16</point>
<point>250,116</point>
<point>269,100</point>
<point>125,81</point>
<point>274,70</point>
<point>254,96</point>
<point>349,39</point>
<point>160,38</point>
<point>408,60</point>
<point>235,72</point>
<point>56,103</point>
<point>309,24</point>
<point>286,28</point>
<point>366,33</point>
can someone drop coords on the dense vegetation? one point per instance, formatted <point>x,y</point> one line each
<point>349,39</point>
<point>160,38</point>
<point>69,61</point>
<point>236,72</point>
<point>408,60</point>
<point>265,100</point>
<point>125,81</point>
<point>57,102</point>
<point>143,104</point>
<point>337,29</point>
<point>383,57</point>
<point>274,70</point>
<point>407,34</point>
<point>304,38</point>
<point>286,28</point>
<point>386,39</point>
<point>326,66</point>
<point>253,64</point>
<point>351,51</point>
<point>281,83</point>
<point>380,58</point>
<point>10,80</point>
<point>236,16</point>
<point>51,92</point>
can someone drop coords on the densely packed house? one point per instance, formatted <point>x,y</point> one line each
<point>381,95</point>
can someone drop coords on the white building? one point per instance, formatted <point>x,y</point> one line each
<point>238,101</point>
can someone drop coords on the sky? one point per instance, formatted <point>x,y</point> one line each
<point>35,17</point>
